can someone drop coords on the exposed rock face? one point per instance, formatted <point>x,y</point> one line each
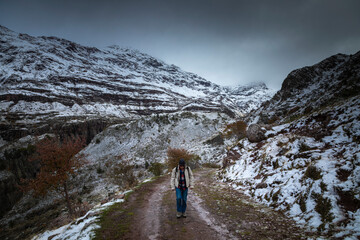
<point>261,185</point>
<point>217,140</point>
<point>254,133</point>
<point>311,88</point>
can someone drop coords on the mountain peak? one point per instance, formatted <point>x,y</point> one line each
<point>250,96</point>
<point>5,31</point>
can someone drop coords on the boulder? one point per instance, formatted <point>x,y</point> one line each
<point>261,185</point>
<point>254,133</point>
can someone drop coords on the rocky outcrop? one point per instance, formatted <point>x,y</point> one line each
<point>309,89</point>
<point>254,133</point>
<point>63,127</point>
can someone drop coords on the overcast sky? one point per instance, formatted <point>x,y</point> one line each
<point>227,42</point>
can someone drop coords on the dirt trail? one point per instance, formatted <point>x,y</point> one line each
<point>214,212</point>
<point>151,221</point>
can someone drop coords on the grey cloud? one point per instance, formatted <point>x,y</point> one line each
<point>228,42</point>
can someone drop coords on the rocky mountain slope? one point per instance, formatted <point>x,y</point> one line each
<point>47,79</point>
<point>309,89</point>
<point>309,164</point>
<point>50,79</point>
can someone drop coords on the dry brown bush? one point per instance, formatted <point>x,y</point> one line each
<point>175,154</point>
<point>237,129</point>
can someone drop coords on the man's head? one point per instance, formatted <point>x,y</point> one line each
<point>182,164</point>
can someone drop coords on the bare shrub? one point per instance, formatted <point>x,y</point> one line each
<point>175,154</point>
<point>237,129</point>
<point>59,161</point>
<point>313,173</point>
<point>156,168</point>
<point>122,173</point>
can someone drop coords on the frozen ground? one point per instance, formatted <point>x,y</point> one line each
<point>309,168</point>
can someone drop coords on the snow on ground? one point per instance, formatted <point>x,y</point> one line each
<point>315,181</point>
<point>81,228</point>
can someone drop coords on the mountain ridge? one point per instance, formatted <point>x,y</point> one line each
<point>61,79</point>
<point>312,87</point>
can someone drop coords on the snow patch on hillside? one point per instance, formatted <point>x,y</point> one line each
<point>313,179</point>
<point>147,139</point>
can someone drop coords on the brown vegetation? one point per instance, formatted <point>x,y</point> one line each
<point>58,161</point>
<point>230,158</point>
<point>122,173</point>
<point>237,129</point>
<point>175,154</point>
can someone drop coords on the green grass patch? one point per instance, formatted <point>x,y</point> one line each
<point>114,223</point>
<point>156,168</point>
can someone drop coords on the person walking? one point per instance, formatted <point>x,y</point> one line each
<point>182,178</point>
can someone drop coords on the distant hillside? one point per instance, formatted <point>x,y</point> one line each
<point>250,97</point>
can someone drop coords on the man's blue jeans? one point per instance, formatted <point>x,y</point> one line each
<point>181,197</point>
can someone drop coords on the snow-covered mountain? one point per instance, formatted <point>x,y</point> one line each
<point>309,164</point>
<point>48,81</point>
<point>250,97</point>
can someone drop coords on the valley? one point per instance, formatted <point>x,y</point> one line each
<point>292,156</point>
